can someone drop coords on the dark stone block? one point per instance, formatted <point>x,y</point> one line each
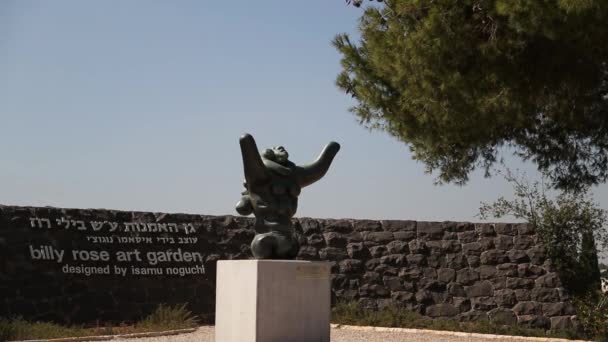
<point>424,297</point>
<point>525,229</point>
<point>338,226</point>
<point>442,310</point>
<point>533,321</point>
<point>504,242</point>
<point>398,226</point>
<point>397,247</point>
<point>455,290</point>
<point>333,239</point>
<point>462,303</point>
<point>436,261</point>
<point>332,253</point>
<point>471,248</point>
<point>527,308</point>
<point>505,298</point>
<point>417,247</point>
<point>357,251</point>
<point>467,276</point>
<point>502,316</point>
<point>468,237</point>
<point>404,236</point>
<point>435,247</point>
<point>309,226</point>
<point>372,264</point>
<point>459,226</point>
<point>316,240</point>
<point>487,271</point>
<point>483,303</point>
<point>545,295</point>
<point>367,225</point>
<point>451,246</point>
<point>519,283</point>
<point>416,259</point>
<point>485,229</point>
<point>308,253</point>
<point>529,271</point>
<point>486,243</point>
<point>379,290</point>
<point>505,229</point>
<point>522,242</point>
<point>350,266</point>
<point>456,261</point>
<point>480,289</point>
<point>548,280</point>
<point>412,273</point>
<point>446,275</point>
<point>392,283</point>
<point>379,237</point>
<point>522,295</point>
<point>430,230</point>
<point>518,256</point>
<point>409,286</point>
<point>372,278</point>
<point>473,261</point>
<point>394,260</point>
<point>450,236</point>
<point>378,251</point>
<point>507,270</point>
<point>493,257</point>
<point>387,270</point>
<point>537,255</point>
<point>402,296</point>
<point>431,284</point>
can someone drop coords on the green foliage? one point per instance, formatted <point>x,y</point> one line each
<point>592,312</point>
<point>16,329</point>
<point>170,317</point>
<point>163,318</point>
<point>569,225</point>
<point>352,314</point>
<point>459,80</point>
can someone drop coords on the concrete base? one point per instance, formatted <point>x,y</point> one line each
<point>272,301</point>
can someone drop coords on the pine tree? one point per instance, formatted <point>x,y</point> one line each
<point>459,80</point>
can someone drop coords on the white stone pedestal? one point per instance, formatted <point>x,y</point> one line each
<point>272,301</point>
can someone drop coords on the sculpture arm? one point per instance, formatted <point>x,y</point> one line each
<point>276,167</point>
<point>252,162</point>
<point>308,174</point>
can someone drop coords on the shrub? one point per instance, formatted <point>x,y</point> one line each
<point>570,225</point>
<point>170,317</point>
<point>592,312</point>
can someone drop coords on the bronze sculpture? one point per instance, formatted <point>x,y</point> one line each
<point>273,184</point>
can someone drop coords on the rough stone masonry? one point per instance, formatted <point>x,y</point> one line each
<point>135,261</point>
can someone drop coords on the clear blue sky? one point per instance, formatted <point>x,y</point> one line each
<point>138,105</point>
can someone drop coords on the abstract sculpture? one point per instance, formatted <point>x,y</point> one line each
<point>273,184</point>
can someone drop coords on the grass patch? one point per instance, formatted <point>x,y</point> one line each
<point>163,318</point>
<point>394,317</point>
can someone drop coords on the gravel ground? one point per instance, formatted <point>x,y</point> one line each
<point>205,334</point>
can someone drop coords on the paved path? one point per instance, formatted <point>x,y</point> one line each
<point>205,334</point>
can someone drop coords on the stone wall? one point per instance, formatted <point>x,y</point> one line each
<point>453,270</point>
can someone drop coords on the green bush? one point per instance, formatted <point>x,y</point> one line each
<point>163,318</point>
<point>592,312</point>
<point>170,317</point>
<point>569,225</point>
